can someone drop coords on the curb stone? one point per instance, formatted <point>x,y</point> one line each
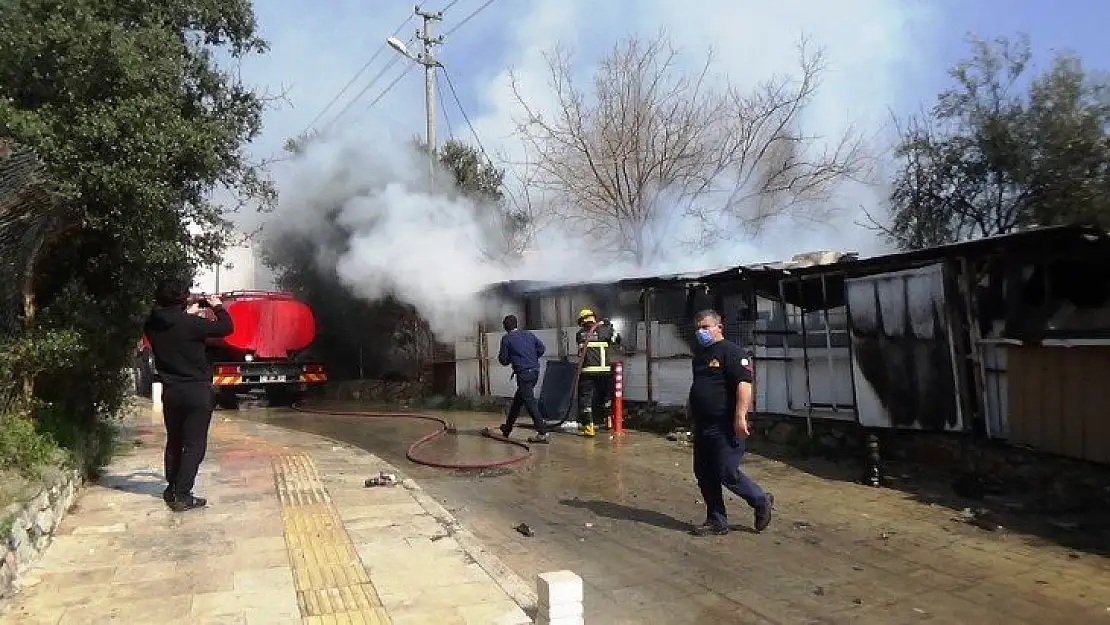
<point>513,584</point>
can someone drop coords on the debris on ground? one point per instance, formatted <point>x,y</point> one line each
<point>679,435</point>
<point>525,530</point>
<point>383,479</point>
<point>981,518</point>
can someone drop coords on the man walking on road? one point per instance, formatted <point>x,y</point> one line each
<point>522,349</point>
<point>177,332</point>
<point>720,398</point>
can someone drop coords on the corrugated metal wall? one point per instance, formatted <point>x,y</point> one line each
<point>1059,400</point>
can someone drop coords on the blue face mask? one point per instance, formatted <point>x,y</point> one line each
<point>705,337</point>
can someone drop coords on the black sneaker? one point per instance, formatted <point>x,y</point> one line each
<point>709,529</point>
<point>181,503</point>
<point>542,439</point>
<point>506,431</point>
<point>167,495</point>
<point>763,513</point>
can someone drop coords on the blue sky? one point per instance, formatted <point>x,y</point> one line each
<point>884,55</point>
<point>1067,26</point>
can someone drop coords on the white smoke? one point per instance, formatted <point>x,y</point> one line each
<point>376,222</point>
<point>368,210</point>
<point>425,246</point>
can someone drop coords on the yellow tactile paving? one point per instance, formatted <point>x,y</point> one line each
<point>332,585</point>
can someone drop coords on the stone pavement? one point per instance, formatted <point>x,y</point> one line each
<point>616,511</point>
<point>291,535</point>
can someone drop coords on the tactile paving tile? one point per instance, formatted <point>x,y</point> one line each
<point>332,585</point>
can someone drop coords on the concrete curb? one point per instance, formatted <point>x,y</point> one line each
<point>514,585</point>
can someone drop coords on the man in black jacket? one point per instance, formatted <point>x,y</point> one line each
<point>177,331</point>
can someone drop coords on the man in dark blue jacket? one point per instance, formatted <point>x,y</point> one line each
<point>521,349</point>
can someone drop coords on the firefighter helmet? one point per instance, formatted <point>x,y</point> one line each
<point>585,315</point>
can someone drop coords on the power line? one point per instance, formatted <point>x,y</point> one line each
<point>446,117</point>
<point>449,5</point>
<point>388,88</point>
<point>458,102</point>
<point>373,81</point>
<point>468,17</point>
<point>350,82</point>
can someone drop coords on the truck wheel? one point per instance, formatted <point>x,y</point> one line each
<point>227,399</point>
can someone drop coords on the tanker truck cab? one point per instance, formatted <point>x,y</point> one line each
<point>266,351</point>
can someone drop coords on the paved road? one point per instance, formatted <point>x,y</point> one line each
<point>616,511</point>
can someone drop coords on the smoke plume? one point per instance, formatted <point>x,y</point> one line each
<point>368,210</point>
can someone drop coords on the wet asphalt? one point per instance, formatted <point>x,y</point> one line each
<point>616,510</point>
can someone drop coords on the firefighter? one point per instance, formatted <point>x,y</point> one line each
<point>595,378</point>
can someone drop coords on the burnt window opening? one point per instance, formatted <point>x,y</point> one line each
<point>780,324</point>
<point>1047,298</point>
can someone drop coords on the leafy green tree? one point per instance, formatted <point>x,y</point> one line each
<point>138,121</point>
<point>1003,149</point>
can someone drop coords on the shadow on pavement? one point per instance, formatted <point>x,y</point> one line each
<point>150,483</point>
<point>620,512</point>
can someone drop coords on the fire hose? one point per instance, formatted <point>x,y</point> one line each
<point>445,427</point>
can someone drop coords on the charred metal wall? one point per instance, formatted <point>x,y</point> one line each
<point>902,352</point>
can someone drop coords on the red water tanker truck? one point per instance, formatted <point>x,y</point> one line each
<point>266,351</point>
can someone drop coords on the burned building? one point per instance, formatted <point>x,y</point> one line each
<point>1006,337</point>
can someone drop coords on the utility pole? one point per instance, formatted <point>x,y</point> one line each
<point>428,60</point>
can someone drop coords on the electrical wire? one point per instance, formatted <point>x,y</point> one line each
<point>467,18</point>
<point>388,88</point>
<point>350,82</point>
<point>458,102</point>
<point>449,5</point>
<point>446,117</point>
<point>373,81</point>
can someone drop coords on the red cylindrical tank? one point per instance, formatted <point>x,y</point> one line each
<point>269,325</point>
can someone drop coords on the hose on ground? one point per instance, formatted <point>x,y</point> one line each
<point>444,428</point>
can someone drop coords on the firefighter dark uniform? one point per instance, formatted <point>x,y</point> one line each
<point>595,380</point>
<point>718,369</point>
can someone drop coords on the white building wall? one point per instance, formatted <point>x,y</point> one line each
<point>241,270</point>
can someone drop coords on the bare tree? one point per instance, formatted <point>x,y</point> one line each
<point>648,147</point>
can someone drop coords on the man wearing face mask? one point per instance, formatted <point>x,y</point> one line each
<point>720,400</point>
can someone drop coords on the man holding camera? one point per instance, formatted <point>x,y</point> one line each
<point>177,330</point>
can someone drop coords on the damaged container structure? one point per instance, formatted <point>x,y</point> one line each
<point>267,350</point>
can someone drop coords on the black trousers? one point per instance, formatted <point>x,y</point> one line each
<point>593,392</point>
<point>525,397</point>
<point>187,411</point>
<point>717,456</point>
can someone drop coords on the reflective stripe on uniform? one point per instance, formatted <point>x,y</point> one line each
<point>601,347</point>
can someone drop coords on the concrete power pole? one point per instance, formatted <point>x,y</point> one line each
<point>428,60</point>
